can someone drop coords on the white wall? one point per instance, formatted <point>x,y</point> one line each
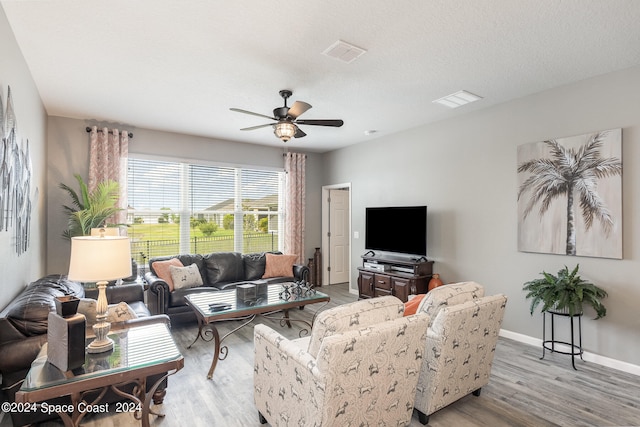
<point>69,155</point>
<point>18,271</point>
<point>464,169</point>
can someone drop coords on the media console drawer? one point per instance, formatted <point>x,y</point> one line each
<point>382,281</point>
<point>397,280</point>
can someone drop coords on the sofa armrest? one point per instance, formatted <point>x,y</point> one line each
<point>268,342</point>
<point>301,272</point>
<point>149,320</point>
<point>18,355</point>
<point>130,292</point>
<point>283,374</point>
<point>138,321</point>
<point>8,331</point>
<point>158,294</point>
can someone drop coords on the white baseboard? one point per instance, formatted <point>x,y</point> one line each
<point>589,357</point>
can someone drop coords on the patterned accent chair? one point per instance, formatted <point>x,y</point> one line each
<point>359,367</point>
<point>461,342</point>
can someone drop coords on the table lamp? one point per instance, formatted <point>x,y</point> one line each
<point>100,259</point>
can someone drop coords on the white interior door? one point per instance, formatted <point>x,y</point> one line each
<point>338,262</point>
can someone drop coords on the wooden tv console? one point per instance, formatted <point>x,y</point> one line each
<point>401,277</point>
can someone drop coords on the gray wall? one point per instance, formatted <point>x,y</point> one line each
<point>18,271</point>
<point>69,155</point>
<point>464,169</point>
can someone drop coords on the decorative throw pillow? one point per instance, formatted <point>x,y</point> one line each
<point>120,312</point>
<point>411,306</point>
<point>162,270</point>
<point>185,277</point>
<point>87,306</point>
<point>116,312</point>
<point>254,265</point>
<point>279,265</point>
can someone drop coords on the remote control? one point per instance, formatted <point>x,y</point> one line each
<point>218,306</point>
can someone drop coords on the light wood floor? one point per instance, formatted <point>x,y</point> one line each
<point>524,390</point>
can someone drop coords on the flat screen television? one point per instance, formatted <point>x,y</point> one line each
<point>399,229</point>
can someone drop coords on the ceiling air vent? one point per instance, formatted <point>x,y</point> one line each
<point>457,99</point>
<point>344,51</point>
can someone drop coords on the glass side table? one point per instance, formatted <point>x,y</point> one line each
<point>141,351</point>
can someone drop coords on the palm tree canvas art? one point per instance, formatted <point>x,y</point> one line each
<point>570,195</point>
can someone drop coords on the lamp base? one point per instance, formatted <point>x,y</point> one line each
<point>101,346</point>
<point>102,343</point>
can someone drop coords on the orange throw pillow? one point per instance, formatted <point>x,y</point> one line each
<point>411,306</point>
<point>279,265</point>
<point>162,270</point>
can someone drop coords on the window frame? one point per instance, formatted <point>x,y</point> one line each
<point>186,208</point>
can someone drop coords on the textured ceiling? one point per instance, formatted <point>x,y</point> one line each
<point>180,65</point>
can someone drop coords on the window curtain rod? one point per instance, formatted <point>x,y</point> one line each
<point>88,129</point>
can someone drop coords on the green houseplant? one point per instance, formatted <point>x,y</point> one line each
<point>565,292</point>
<point>90,209</point>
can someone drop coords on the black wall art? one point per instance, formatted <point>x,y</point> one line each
<point>15,179</point>
<point>570,195</point>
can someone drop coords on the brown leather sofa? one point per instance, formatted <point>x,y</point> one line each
<point>23,328</point>
<point>219,271</point>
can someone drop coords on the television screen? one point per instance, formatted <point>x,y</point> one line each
<point>401,229</point>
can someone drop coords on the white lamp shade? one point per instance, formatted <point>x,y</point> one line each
<point>95,259</point>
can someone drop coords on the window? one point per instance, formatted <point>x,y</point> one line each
<point>176,207</point>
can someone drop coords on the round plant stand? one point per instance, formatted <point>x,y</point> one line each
<point>575,349</point>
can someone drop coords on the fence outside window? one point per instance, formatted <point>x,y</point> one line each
<point>143,250</point>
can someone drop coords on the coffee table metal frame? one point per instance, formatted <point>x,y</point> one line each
<point>44,381</point>
<point>267,306</point>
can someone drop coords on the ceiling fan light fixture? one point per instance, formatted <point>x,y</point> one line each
<point>284,130</point>
<point>287,118</point>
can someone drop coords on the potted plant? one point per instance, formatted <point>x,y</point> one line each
<point>90,209</point>
<point>566,292</point>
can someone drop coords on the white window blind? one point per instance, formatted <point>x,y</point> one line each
<point>193,208</point>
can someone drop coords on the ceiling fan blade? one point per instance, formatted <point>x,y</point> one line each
<point>299,133</point>
<point>257,127</point>
<point>238,110</point>
<point>321,122</point>
<point>297,109</point>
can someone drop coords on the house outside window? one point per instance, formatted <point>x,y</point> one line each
<point>179,207</point>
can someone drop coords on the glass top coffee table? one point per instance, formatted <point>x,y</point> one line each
<point>246,302</point>
<point>139,352</point>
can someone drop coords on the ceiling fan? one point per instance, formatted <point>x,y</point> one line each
<point>286,125</point>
